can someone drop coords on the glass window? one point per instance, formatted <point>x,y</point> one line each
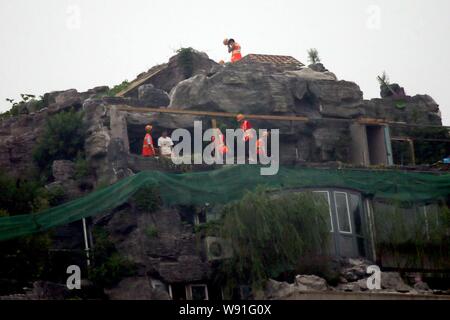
<point>356,210</point>
<point>199,292</point>
<point>325,196</point>
<point>342,211</point>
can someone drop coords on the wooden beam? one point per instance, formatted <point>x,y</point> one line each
<point>139,81</point>
<point>211,114</point>
<point>364,121</point>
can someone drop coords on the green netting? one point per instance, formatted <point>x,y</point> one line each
<point>227,184</point>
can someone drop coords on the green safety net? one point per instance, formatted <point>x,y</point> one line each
<point>227,184</point>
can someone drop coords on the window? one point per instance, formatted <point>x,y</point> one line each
<point>197,292</point>
<point>356,210</point>
<point>325,195</point>
<point>343,212</point>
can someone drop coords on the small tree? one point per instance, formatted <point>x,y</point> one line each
<point>270,235</point>
<point>62,139</point>
<point>313,56</point>
<point>383,79</point>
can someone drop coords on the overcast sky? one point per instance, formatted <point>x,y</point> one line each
<point>50,45</point>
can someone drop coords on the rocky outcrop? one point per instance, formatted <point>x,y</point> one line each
<point>18,137</point>
<point>160,244</point>
<point>263,89</point>
<point>136,288</point>
<point>197,83</point>
<point>152,96</point>
<point>353,278</point>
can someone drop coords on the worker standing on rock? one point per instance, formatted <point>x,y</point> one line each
<point>148,150</point>
<point>234,48</point>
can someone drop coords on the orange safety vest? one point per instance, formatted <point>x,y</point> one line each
<point>260,146</point>
<point>246,126</point>
<point>147,148</point>
<point>236,53</point>
<point>223,149</point>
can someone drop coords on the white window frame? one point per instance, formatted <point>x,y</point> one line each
<point>348,212</point>
<point>189,290</point>
<point>427,220</point>
<point>329,206</point>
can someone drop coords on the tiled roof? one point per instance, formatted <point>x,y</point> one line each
<point>267,58</point>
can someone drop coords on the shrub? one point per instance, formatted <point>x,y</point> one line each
<point>109,267</point>
<point>148,199</point>
<point>62,139</point>
<point>56,196</point>
<point>25,259</point>
<point>81,167</point>
<point>18,196</point>
<point>270,235</point>
<point>186,61</point>
<point>117,88</point>
<point>151,232</point>
<point>406,232</point>
<point>33,104</point>
<point>313,56</point>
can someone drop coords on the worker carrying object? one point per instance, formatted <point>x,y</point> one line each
<point>234,48</point>
<point>245,126</point>
<point>261,144</point>
<point>219,140</point>
<point>148,150</point>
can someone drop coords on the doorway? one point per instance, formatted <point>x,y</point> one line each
<point>348,223</point>
<point>371,145</point>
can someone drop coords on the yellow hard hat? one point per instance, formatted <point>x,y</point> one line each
<point>225,42</point>
<point>240,117</point>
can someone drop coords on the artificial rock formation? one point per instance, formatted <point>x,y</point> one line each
<point>114,138</point>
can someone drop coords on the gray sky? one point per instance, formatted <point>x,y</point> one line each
<point>49,45</point>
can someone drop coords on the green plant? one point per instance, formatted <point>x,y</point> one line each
<point>117,88</point>
<point>109,267</point>
<point>56,196</point>
<point>62,139</point>
<point>429,144</point>
<point>27,99</point>
<point>81,167</point>
<point>25,259</point>
<point>383,79</point>
<point>148,199</point>
<point>269,235</point>
<point>410,236</point>
<point>313,56</point>
<point>151,232</point>
<point>186,61</point>
<point>18,196</point>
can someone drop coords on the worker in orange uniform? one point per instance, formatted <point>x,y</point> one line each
<point>234,48</point>
<point>261,144</point>
<point>148,150</point>
<point>219,139</point>
<point>245,126</point>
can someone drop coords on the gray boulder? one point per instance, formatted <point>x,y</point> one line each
<point>62,100</point>
<point>265,89</point>
<point>393,281</point>
<point>180,67</point>
<point>63,170</point>
<point>153,97</point>
<point>136,288</point>
<point>311,282</point>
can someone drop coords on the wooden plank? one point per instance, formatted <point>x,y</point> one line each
<point>138,82</point>
<point>364,121</point>
<point>211,114</point>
